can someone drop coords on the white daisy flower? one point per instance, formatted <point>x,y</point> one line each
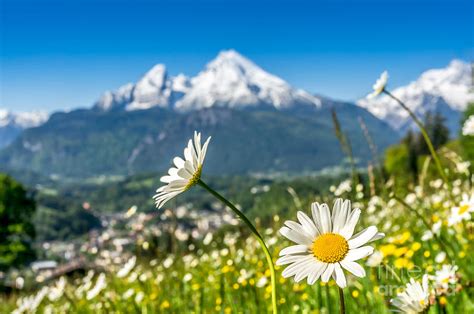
<point>186,172</point>
<point>415,298</point>
<point>445,276</point>
<point>326,244</point>
<point>57,291</point>
<point>379,85</point>
<point>100,285</point>
<point>127,268</point>
<point>463,211</point>
<point>468,127</point>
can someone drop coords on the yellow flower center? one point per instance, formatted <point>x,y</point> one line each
<point>330,248</point>
<point>195,178</point>
<point>463,209</point>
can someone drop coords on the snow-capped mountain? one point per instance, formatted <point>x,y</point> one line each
<point>230,80</point>
<point>22,119</point>
<point>11,124</point>
<point>447,90</point>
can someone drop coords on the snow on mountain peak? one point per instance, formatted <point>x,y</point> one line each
<point>447,89</point>
<point>229,80</point>
<point>22,120</point>
<point>232,80</point>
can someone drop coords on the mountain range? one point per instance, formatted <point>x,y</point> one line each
<point>259,123</point>
<point>229,81</point>
<point>12,124</point>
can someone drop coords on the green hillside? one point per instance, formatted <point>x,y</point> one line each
<point>86,143</point>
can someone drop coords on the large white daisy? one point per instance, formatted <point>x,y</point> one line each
<point>379,85</point>
<point>415,298</point>
<point>326,244</point>
<point>186,172</point>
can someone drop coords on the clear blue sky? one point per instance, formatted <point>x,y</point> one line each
<point>64,54</point>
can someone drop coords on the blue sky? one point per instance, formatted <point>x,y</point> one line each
<point>64,54</point>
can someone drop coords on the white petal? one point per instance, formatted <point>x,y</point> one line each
<point>297,266</point>
<point>192,149</point>
<point>189,167</point>
<point>295,236</point>
<point>316,216</point>
<point>336,208</point>
<point>204,151</point>
<point>173,172</point>
<point>348,230</point>
<point>167,179</point>
<point>161,201</point>
<point>288,259</point>
<point>188,154</point>
<point>316,272</point>
<point>179,162</point>
<point>197,142</point>
<point>307,224</point>
<point>340,277</point>
<point>298,228</point>
<point>304,271</point>
<point>361,252</point>
<point>378,236</point>
<point>362,237</point>
<point>354,268</point>
<point>183,173</point>
<point>325,218</point>
<point>177,184</point>
<point>326,275</point>
<point>294,249</point>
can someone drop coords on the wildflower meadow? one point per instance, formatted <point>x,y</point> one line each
<point>369,243</point>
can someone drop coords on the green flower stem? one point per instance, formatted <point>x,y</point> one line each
<point>427,225</point>
<point>256,234</point>
<point>342,308</point>
<point>328,298</point>
<point>425,136</point>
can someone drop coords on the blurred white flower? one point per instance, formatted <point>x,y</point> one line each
<point>181,234</point>
<point>19,283</point>
<point>463,167</point>
<point>468,127</point>
<point>415,298</point>
<point>168,262</point>
<point>139,297</point>
<point>435,229</point>
<point>326,244</point>
<point>463,211</point>
<point>187,277</point>
<point>185,174</point>
<point>100,284</point>
<point>375,259</point>
<point>57,291</point>
<point>128,294</point>
<point>127,268</point>
<point>207,239</point>
<point>343,187</point>
<point>440,257</point>
<point>379,85</point>
<point>31,303</point>
<point>133,277</point>
<point>445,276</point>
<point>131,211</point>
<point>262,282</point>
